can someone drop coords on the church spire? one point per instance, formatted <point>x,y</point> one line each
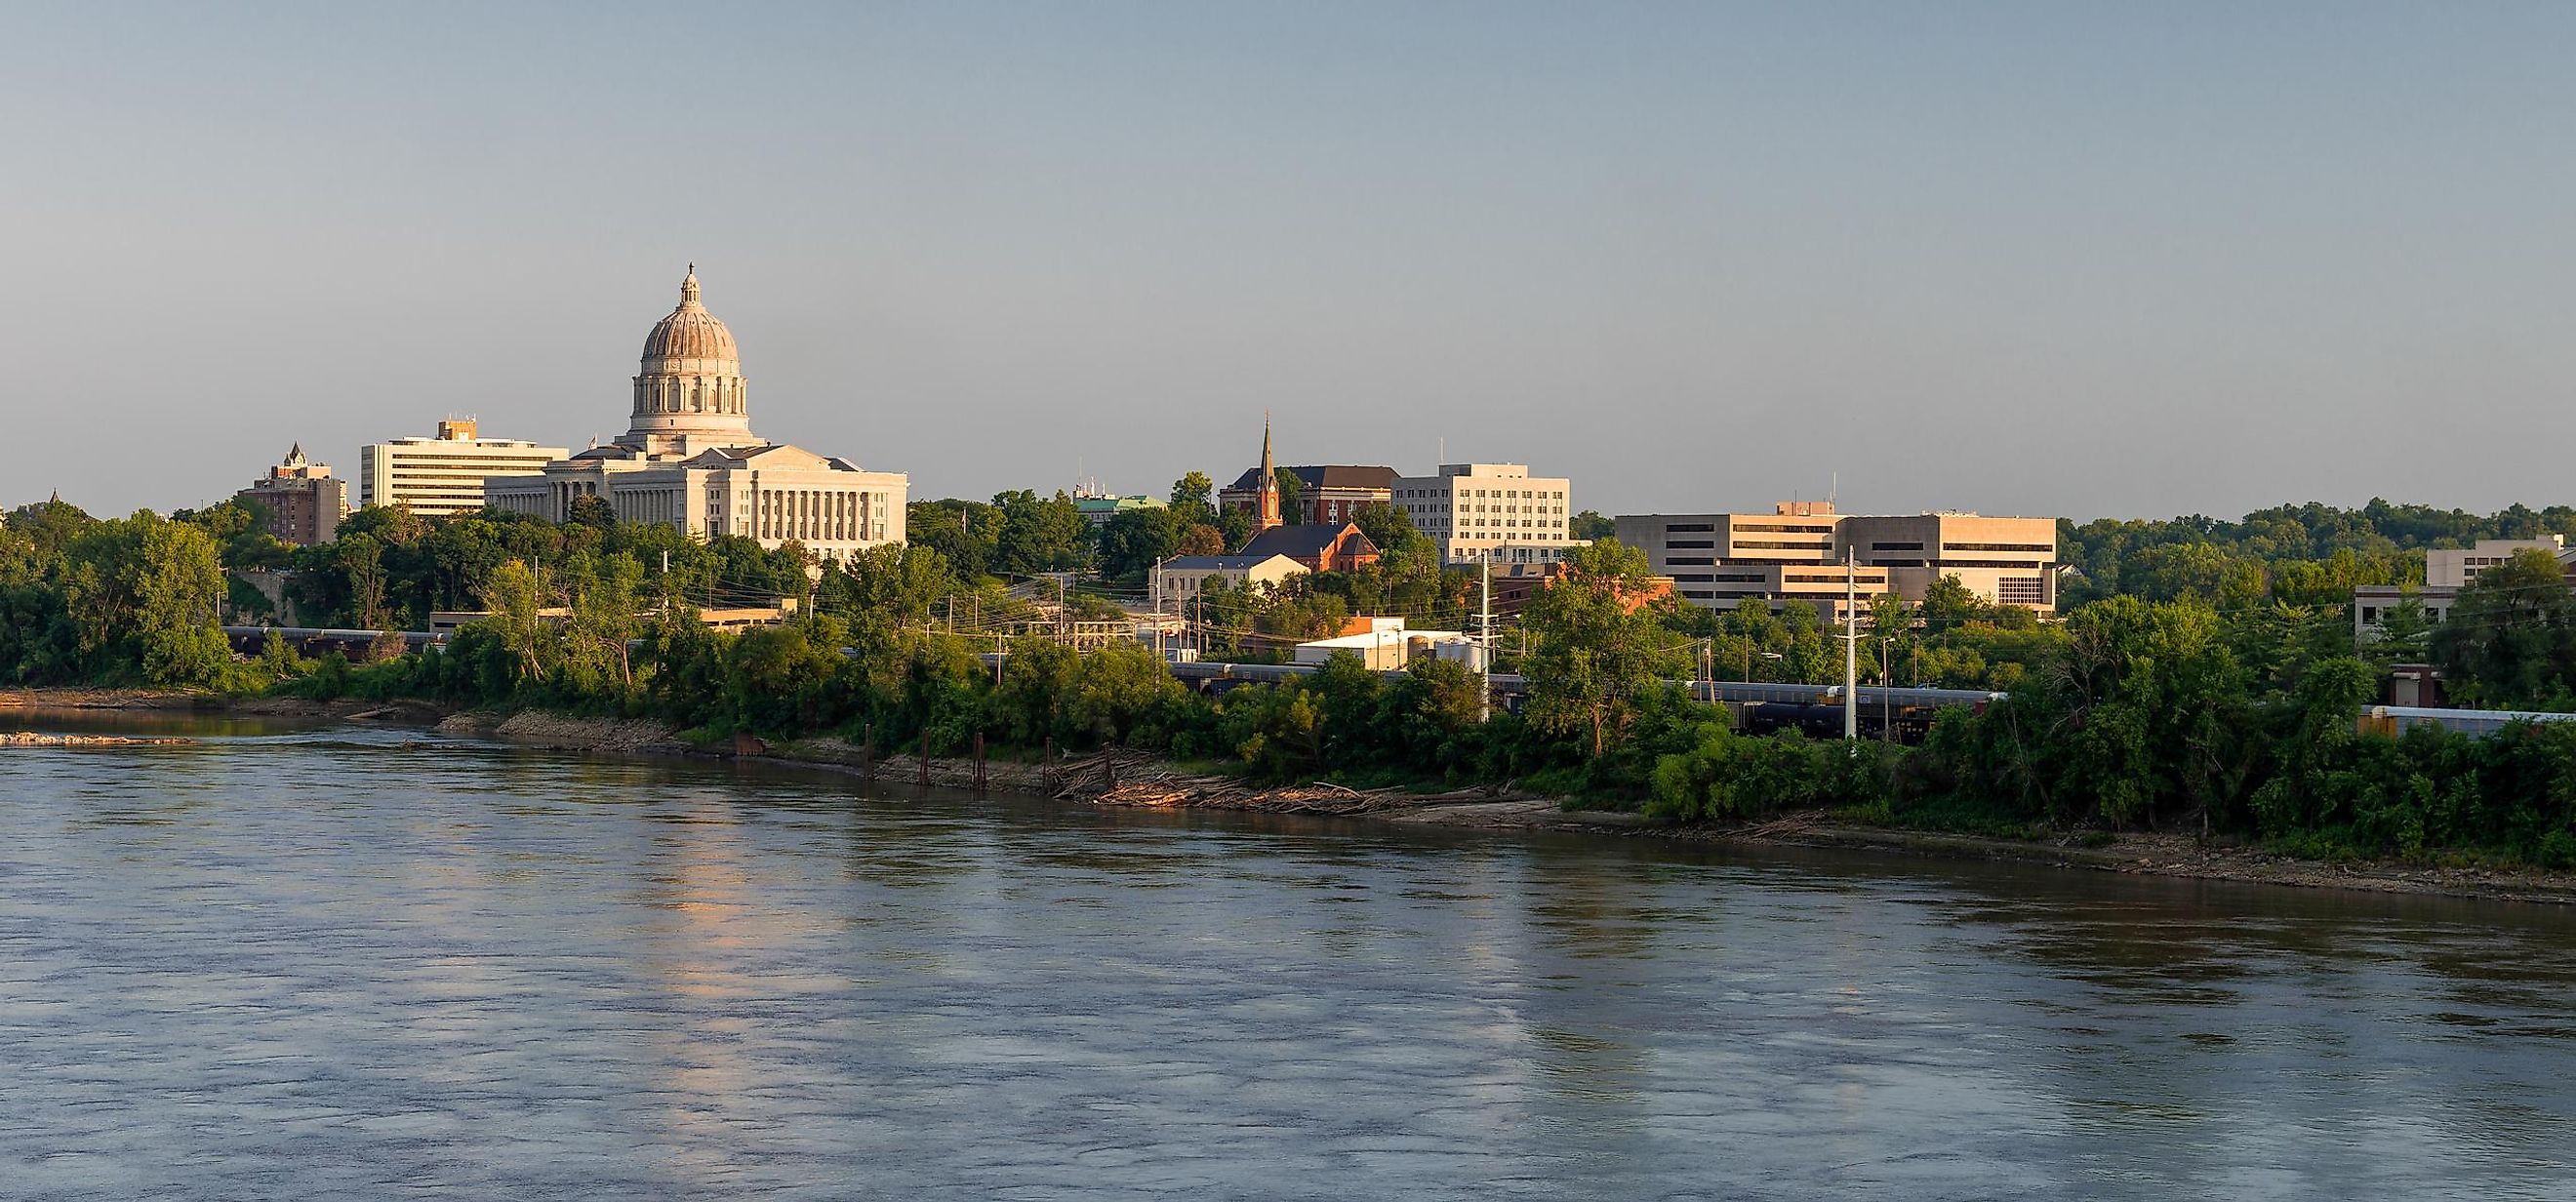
<point>1269,483</point>
<point>689,287</point>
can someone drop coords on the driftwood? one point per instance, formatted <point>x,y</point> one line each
<point>31,739</point>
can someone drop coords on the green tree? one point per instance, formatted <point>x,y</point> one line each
<point>516,595</point>
<point>2510,637</point>
<point>1131,541</point>
<point>1038,535</point>
<point>1593,648</point>
<point>1949,605</point>
<point>1194,500</point>
<point>1292,491</point>
<point>1116,688</point>
<point>603,598</point>
<point>1391,530</point>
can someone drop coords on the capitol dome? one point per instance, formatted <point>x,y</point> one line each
<point>691,333</point>
<point>689,391</point>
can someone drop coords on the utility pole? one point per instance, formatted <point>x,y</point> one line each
<point>1851,647</point>
<point>1485,627</point>
<point>1159,653</point>
<point>1886,696</point>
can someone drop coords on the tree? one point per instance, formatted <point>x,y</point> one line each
<point>1116,687</point>
<point>1292,490</point>
<point>1391,530</point>
<point>1202,540</point>
<point>178,600</point>
<point>1593,650</point>
<point>882,588</point>
<point>603,622</point>
<point>1589,524</point>
<point>1037,535</point>
<point>2510,637</point>
<point>1949,605</point>
<point>516,594</point>
<point>1130,541</point>
<point>963,532</point>
<point>1194,499</point>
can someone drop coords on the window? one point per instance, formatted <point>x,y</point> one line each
<point>1691,544</point>
<point>1694,560</point>
<point>1689,528</point>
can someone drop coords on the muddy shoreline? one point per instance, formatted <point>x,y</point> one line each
<point>1142,782</point>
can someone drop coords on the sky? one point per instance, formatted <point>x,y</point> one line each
<point>2066,259</point>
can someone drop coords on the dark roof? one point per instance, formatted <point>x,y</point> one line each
<point>1328,475</point>
<point>1307,542</point>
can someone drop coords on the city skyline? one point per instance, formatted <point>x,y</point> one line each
<point>2010,259</point>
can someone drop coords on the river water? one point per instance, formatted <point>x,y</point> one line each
<point>357,963</point>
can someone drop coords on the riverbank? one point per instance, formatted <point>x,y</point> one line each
<point>1134,781</point>
<point>346,709</point>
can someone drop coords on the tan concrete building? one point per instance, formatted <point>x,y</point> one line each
<point>1718,559</point>
<point>1490,512</point>
<point>304,502</point>
<point>443,476</point>
<point>689,458</point>
<point>2003,560</point>
<point>2455,567</point>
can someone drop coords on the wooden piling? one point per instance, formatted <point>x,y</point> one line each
<point>925,757</point>
<point>979,761</point>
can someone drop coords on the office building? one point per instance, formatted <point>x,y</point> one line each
<point>444,476</point>
<point>1797,552</point>
<point>1489,512</point>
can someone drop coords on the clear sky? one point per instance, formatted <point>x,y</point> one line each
<point>2056,258</point>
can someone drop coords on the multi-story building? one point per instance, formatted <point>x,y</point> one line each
<point>2447,570</point>
<point>444,476</point>
<point>2456,567</point>
<point>2003,560</point>
<point>1798,552</point>
<point>1490,512</point>
<point>303,500</point>
<point>688,458</point>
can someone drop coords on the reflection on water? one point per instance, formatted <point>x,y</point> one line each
<point>316,962</point>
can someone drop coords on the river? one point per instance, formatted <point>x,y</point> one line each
<point>334,962</point>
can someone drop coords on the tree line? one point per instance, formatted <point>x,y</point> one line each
<point>2236,721</point>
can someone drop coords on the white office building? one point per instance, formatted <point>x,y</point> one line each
<point>1490,512</point>
<point>444,476</point>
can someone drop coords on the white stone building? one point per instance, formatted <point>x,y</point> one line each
<point>1494,512</point>
<point>444,476</point>
<point>689,459</point>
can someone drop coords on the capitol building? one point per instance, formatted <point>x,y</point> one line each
<point>689,459</point>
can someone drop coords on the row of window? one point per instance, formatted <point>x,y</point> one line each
<point>1503,494</point>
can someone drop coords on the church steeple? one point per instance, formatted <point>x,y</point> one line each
<point>1269,483</point>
